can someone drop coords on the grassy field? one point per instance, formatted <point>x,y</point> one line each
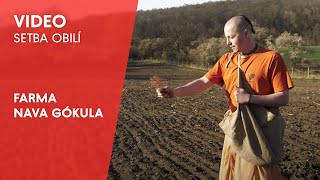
<point>314,53</point>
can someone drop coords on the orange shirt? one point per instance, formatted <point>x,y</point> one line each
<point>265,71</point>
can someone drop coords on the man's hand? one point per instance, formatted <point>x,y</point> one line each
<point>241,96</point>
<point>271,100</point>
<point>165,92</point>
<point>195,87</point>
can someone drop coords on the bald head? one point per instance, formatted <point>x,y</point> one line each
<point>238,32</point>
<point>240,23</point>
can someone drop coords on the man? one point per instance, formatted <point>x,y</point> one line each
<point>267,75</point>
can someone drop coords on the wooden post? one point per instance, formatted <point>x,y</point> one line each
<point>292,71</point>
<point>308,72</point>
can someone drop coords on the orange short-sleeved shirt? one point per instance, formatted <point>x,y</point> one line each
<point>265,71</point>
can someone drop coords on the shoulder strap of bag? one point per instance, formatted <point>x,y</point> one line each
<point>242,81</point>
<point>228,62</point>
<point>239,67</point>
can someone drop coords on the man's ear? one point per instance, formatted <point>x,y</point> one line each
<point>246,33</point>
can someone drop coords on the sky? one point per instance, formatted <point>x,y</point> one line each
<point>157,4</point>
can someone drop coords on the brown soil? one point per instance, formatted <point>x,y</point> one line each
<point>180,138</point>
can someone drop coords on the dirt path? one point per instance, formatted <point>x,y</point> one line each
<point>180,138</point>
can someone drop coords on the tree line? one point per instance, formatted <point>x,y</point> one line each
<point>194,33</point>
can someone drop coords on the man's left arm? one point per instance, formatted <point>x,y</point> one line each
<point>276,99</point>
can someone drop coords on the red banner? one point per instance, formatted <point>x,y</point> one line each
<point>62,67</point>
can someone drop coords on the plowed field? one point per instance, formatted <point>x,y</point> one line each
<point>180,138</point>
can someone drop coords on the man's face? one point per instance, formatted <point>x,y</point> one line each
<point>234,39</point>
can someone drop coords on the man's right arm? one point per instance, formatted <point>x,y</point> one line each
<point>192,88</point>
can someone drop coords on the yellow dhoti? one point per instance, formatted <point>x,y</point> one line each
<point>235,168</point>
